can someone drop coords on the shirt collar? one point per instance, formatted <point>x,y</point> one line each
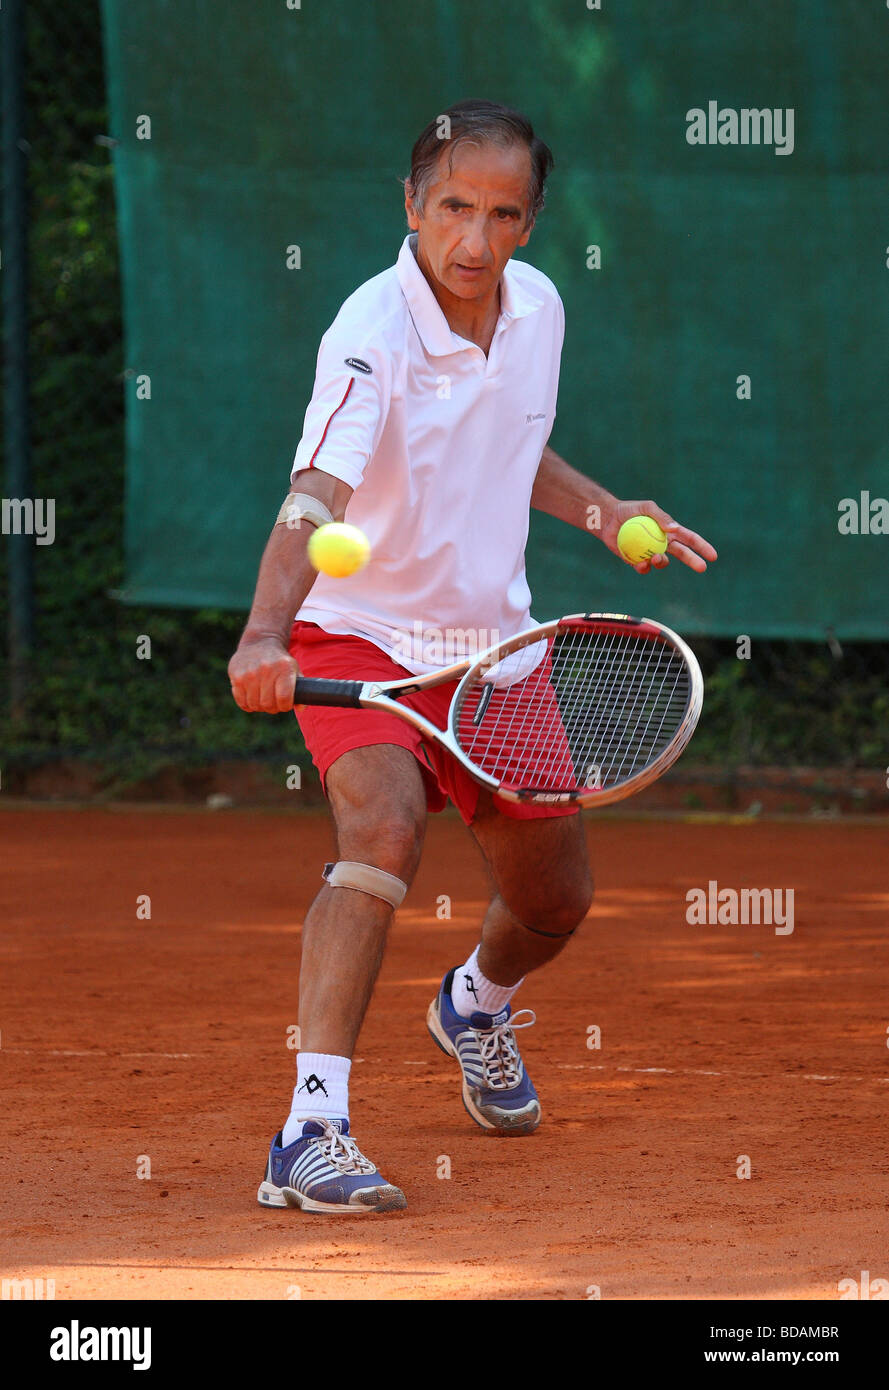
<point>435,333</point>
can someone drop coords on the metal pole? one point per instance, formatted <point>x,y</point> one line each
<point>14,270</point>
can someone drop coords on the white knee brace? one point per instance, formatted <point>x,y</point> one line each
<point>366,879</point>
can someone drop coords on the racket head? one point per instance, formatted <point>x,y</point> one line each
<point>586,709</point>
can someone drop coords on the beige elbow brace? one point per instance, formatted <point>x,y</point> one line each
<point>301,506</point>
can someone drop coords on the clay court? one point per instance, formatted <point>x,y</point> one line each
<point>167,1038</point>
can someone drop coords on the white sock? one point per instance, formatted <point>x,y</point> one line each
<point>471,990</point>
<point>322,1088</point>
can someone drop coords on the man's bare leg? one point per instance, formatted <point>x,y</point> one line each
<point>378,802</point>
<point>544,889</point>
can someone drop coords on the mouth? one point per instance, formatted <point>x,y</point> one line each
<point>469,272</point>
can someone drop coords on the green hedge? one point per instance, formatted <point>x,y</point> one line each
<point>791,703</point>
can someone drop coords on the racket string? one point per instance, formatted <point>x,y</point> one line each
<point>599,706</point>
<point>636,688</point>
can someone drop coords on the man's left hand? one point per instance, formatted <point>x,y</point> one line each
<point>685,545</point>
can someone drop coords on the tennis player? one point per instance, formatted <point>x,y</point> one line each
<point>435,394</point>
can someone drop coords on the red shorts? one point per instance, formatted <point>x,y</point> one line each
<point>330,732</point>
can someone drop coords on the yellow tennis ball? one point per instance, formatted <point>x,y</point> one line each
<point>639,538</point>
<point>338,549</point>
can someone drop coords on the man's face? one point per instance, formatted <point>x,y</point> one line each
<point>474,218</point>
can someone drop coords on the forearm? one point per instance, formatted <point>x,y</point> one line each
<point>285,578</point>
<point>570,496</point>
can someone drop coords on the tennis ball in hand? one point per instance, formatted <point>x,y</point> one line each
<point>639,538</point>
<point>338,549</point>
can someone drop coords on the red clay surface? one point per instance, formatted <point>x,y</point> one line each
<point>168,1038</point>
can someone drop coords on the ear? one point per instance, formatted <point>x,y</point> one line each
<point>413,217</point>
<point>526,234</point>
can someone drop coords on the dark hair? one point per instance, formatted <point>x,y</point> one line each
<point>478,122</point>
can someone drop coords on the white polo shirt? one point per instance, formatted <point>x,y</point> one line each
<point>442,446</point>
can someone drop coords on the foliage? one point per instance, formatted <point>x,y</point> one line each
<point>790,703</point>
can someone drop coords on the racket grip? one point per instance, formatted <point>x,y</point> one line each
<point>346,694</point>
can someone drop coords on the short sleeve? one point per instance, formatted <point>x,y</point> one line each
<point>350,401</point>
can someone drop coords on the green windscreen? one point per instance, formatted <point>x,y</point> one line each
<point>260,147</point>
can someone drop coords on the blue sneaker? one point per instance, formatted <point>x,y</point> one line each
<point>497,1091</point>
<point>324,1170</point>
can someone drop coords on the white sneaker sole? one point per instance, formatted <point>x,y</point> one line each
<point>370,1199</point>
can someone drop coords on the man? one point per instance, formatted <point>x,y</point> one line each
<point>434,397</point>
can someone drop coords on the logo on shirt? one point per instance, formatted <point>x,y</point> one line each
<point>529,419</point>
<point>359,366</point>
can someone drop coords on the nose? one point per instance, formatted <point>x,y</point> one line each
<point>474,243</point>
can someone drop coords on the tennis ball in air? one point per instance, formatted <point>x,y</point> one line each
<point>639,538</point>
<point>338,549</point>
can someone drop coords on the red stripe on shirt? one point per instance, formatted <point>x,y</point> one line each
<point>327,426</point>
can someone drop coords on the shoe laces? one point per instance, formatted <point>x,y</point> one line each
<point>500,1053</point>
<point>341,1150</point>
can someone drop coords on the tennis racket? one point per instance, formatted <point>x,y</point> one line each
<point>586,709</point>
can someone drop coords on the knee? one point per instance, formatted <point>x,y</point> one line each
<point>563,909</point>
<point>378,802</point>
<point>388,838</point>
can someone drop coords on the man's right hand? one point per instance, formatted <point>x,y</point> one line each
<point>262,675</point>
